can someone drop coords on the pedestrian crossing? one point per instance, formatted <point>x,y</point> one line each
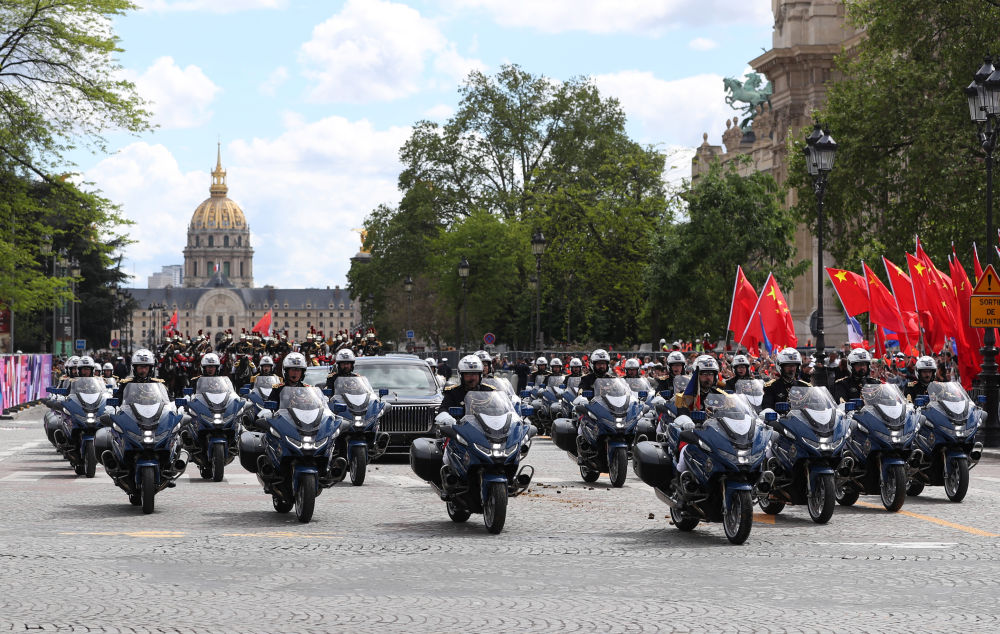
<point>7,452</point>
<point>67,474</point>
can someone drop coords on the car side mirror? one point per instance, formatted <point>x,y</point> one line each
<point>588,394</point>
<point>327,392</point>
<point>271,406</point>
<point>113,402</point>
<point>244,390</point>
<point>382,391</point>
<point>782,407</point>
<point>180,402</point>
<point>188,391</point>
<point>339,408</point>
<point>456,412</point>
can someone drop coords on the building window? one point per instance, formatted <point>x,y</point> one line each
<point>225,241</point>
<point>225,268</point>
<point>232,321</point>
<point>286,325</point>
<point>143,333</point>
<point>296,334</point>
<point>210,268</point>
<point>211,241</point>
<point>241,268</point>
<point>320,324</point>
<point>341,324</point>
<point>143,324</point>
<point>286,312</point>
<point>208,321</point>
<point>239,241</point>
<point>194,273</point>
<point>296,313</point>
<point>219,320</point>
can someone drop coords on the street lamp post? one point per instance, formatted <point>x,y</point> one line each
<point>533,285</point>
<point>463,272</point>
<point>408,287</point>
<point>538,248</point>
<point>820,151</point>
<point>75,272</point>
<point>984,108</point>
<point>46,251</point>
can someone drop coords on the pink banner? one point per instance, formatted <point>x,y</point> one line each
<point>24,378</point>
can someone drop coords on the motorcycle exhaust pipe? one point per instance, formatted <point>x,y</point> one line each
<point>338,468</point>
<point>845,467</point>
<point>60,436</point>
<point>181,462</point>
<point>977,451</point>
<point>766,482</point>
<point>264,466</point>
<point>916,457</point>
<point>109,462</point>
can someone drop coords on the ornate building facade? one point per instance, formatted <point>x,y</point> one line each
<point>218,292</point>
<point>808,35</point>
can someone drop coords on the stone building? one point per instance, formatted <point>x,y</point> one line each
<point>807,35</point>
<point>218,292</point>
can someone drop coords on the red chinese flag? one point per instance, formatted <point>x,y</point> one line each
<point>942,295</point>
<point>744,299</point>
<point>926,303</point>
<point>851,289</point>
<point>775,317</point>
<point>883,305</point>
<point>969,357</point>
<point>902,290</point>
<point>264,325</point>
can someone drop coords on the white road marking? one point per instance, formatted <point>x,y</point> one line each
<point>917,545</point>
<point>10,451</point>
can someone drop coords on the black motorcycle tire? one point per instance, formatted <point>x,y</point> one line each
<point>956,485</point>
<point>80,468</point>
<point>820,501</point>
<point>588,474</point>
<point>305,498</point>
<point>147,489</point>
<point>914,488</point>
<point>738,520</point>
<point>847,495</point>
<point>358,465</point>
<point>205,472</point>
<point>90,459</point>
<point>495,507</point>
<point>218,462</point>
<point>457,512</point>
<point>134,499</point>
<point>618,468</point>
<point>280,505</point>
<point>893,488</point>
<point>683,523</point>
<point>771,507</point>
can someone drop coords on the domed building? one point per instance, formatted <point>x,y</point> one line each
<point>218,238</point>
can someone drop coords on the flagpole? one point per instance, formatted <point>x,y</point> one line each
<point>754,313</point>
<point>902,322</point>
<point>732,303</point>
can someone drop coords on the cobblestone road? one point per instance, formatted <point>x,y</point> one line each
<point>384,557</point>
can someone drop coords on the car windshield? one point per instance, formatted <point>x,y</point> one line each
<point>951,398</point>
<point>316,375</point>
<point>753,389</point>
<point>306,405</point>
<point>815,402</point>
<point>404,377</point>
<point>216,390</point>
<point>732,410</point>
<point>492,409</point>
<point>88,391</point>
<point>614,392</point>
<point>354,391</point>
<point>146,400</point>
<point>886,399</point>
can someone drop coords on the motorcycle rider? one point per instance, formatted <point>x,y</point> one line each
<point>707,373</point>
<point>72,367</point>
<point>776,390</point>
<point>209,366</point>
<point>926,371</point>
<point>266,367</point>
<point>631,368</point>
<point>470,371</point>
<point>87,366</point>
<point>108,371</point>
<point>575,367</point>
<point>741,372</point>
<point>849,387</point>
<point>487,363</point>
<point>541,370</point>
<point>600,364</point>
<point>675,368</point>
<point>294,369</point>
<point>142,370</point>
<point>345,367</point>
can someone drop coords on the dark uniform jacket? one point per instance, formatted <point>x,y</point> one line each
<point>776,391</point>
<point>847,389</point>
<point>454,395</point>
<point>134,379</point>
<point>588,380</point>
<point>915,389</point>
<point>276,390</point>
<point>331,379</point>
<point>730,384</point>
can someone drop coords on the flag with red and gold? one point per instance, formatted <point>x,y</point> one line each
<point>775,318</point>
<point>851,289</point>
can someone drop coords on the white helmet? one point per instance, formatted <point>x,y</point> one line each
<point>859,355</point>
<point>430,361</point>
<point>541,361</point>
<point>294,360</point>
<point>210,359</point>
<point>108,366</point>
<point>706,363</point>
<point>470,363</point>
<point>143,356</point>
<point>484,356</point>
<point>632,364</point>
<point>266,360</point>
<point>555,362</point>
<point>788,355</point>
<point>73,362</point>
<point>345,356</point>
<point>741,359</point>
<point>575,363</point>
<point>676,357</point>
<point>87,361</point>
<point>600,355</point>
<point>926,363</point>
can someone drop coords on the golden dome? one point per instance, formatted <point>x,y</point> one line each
<point>218,211</point>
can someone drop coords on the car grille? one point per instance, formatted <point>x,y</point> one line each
<point>417,419</point>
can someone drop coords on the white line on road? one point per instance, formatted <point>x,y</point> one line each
<point>10,451</point>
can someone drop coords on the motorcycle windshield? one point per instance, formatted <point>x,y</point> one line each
<point>752,389</point>
<point>951,399</point>
<point>573,382</point>
<point>614,393</point>
<point>264,384</point>
<point>555,380</point>
<point>355,393</point>
<point>816,404</point>
<point>733,412</point>
<point>305,406</point>
<point>500,384</point>
<point>638,384</point>
<point>145,400</point>
<point>681,383</point>
<point>492,411</point>
<point>88,392</point>
<point>216,390</point>
<point>886,400</point>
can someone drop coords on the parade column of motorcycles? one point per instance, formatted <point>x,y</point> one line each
<point>711,448</point>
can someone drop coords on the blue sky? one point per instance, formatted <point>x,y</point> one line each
<point>312,99</point>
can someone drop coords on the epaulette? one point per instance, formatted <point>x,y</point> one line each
<point>842,379</point>
<point>911,384</point>
<point>278,384</point>
<point>156,380</point>
<point>770,383</point>
<point>490,387</point>
<point>451,387</point>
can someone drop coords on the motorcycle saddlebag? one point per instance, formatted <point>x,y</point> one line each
<point>564,435</point>
<point>652,464</point>
<point>426,459</point>
<point>251,447</point>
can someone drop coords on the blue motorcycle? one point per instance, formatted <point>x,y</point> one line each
<point>879,444</point>
<point>945,447</point>
<point>709,465</point>
<point>753,390</point>
<point>74,430</point>
<point>361,441</point>
<point>806,450</point>
<point>258,394</point>
<point>211,432</point>
<point>478,467</point>
<point>644,394</point>
<point>601,440</point>
<point>666,407</point>
<point>295,459</point>
<point>140,446</point>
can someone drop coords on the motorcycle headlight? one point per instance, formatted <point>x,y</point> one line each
<point>484,449</point>
<point>148,436</point>
<point>217,419</point>
<point>358,421</point>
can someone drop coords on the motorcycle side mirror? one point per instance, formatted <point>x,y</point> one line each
<point>327,392</point>
<point>382,391</point>
<point>770,417</point>
<point>339,408</point>
<point>109,386</point>
<point>244,390</point>
<point>188,391</point>
<point>456,412</point>
<point>271,405</point>
<point>922,400</point>
<point>643,394</point>
<point>180,402</point>
<point>588,394</point>
<point>782,407</point>
<point>858,403</point>
<point>562,386</point>
<point>527,411</point>
<point>698,417</point>
<point>981,400</point>
<point>113,402</point>
<point>525,393</point>
<point>58,391</point>
<point>666,394</point>
<point>850,406</point>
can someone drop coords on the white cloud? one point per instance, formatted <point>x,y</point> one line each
<point>376,50</point>
<point>702,44</point>
<point>213,6</point>
<point>180,97</point>
<point>274,81</point>
<point>440,112</point>
<point>605,16</point>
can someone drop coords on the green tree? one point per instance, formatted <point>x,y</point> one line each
<point>731,221</point>
<point>908,161</point>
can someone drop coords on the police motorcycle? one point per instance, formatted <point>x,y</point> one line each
<point>945,448</point>
<point>547,401</point>
<point>666,407</point>
<point>355,402</point>
<point>210,432</point>
<point>721,465</point>
<point>258,394</point>
<point>753,390</point>
<point>53,419</point>
<point>881,428</point>
<point>77,420</point>
<point>478,467</point>
<point>644,394</point>
<point>602,439</point>
<point>294,457</point>
<point>139,444</point>
<point>809,434</point>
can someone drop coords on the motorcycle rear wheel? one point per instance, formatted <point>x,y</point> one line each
<point>682,523</point>
<point>589,475</point>
<point>771,507</point>
<point>457,512</point>
<point>914,488</point>
<point>738,519</point>
<point>305,498</point>
<point>893,488</point>
<point>90,459</point>
<point>218,462</point>
<point>956,485</point>
<point>358,465</point>
<point>618,468</point>
<point>280,505</point>
<point>847,495</point>
<point>495,507</point>
<point>820,501</point>
<point>148,489</point>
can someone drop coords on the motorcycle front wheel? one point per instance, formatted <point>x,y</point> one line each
<point>893,488</point>
<point>956,484</point>
<point>90,459</point>
<point>148,489</point>
<point>305,498</point>
<point>820,500</point>
<point>495,507</point>
<point>618,467</point>
<point>359,465</point>
<point>218,462</point>
<point>846,494</point>
<point>771,507</point>
<point>738,518</point>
